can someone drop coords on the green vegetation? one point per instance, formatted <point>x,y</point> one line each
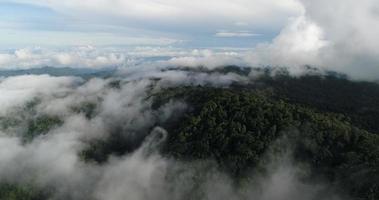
<point>236,128</point>
<point>331,125</point>
<point>20,192</point>
<point>117,143</point>
<point>87,108</point>
<point>16,119</point>
<point>357,100</point>
<point>115,84</point>
<point>41,125</point>
<point>27,123</point>
<point>8,122</point>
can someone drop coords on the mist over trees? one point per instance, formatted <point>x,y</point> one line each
<point>190,133</point>
<point>189,100</point>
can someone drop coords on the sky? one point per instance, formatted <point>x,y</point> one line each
<point>239,23</point>
<point>338,35</point>
<point>148,41</point>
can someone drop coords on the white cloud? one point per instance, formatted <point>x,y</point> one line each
<point>100,57</point>
<point>53,160</point>
<point>236,34</point>
<point>352,29</point>
<point>79,57</point>
<point>339,35</point>
<point>318,37</point>
<point>16,91</point>
<point>298,44</point>
<point>181,13</point>
<point>334,35</point>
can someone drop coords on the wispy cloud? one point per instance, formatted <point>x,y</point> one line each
<point>150,19</point>
<point>302,32</point>
<point>231,34</point>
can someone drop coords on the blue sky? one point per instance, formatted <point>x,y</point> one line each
<point>338,35</point>
<point>147,22</point>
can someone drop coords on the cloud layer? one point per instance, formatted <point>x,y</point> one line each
<point>52,161</point>
<point>338,36</point>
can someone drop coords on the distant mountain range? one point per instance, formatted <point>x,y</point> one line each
<point>60,71</point>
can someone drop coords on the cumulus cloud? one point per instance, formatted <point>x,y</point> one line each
<point>352,34</point>
<point>78,57</point>
<point>207,58</point>
<point>112,57</point>
<point>338,36</point>
<point>298,44</point>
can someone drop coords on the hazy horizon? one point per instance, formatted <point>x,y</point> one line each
<point>189,100</point>
<point>338,35</point>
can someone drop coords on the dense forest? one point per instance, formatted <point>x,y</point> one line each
<point>328,122</point>
<point>237,127</point>
<point>331,123</point>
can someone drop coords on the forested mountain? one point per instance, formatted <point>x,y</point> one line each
<point>330,123</point>
<point>326,123</point>
<point>236,128</point>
